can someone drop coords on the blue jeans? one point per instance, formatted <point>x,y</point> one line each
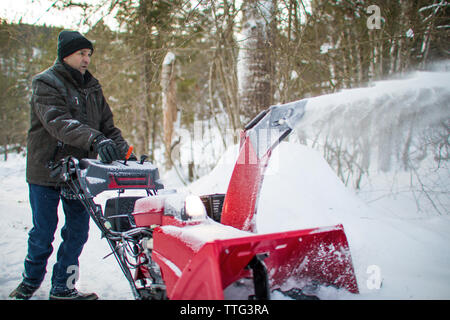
<point>44,203</point>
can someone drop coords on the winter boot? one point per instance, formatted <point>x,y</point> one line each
<point>72,294</point>
<point>23,291</point>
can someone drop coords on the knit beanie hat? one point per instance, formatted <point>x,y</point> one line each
<point>71,41</point>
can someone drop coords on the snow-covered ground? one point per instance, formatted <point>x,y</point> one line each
<point>399,248</point>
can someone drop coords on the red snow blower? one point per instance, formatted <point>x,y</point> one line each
<point>173,246</point>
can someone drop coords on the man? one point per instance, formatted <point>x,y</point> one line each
<point>69,116</point>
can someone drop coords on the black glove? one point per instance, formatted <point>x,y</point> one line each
<point>106,149</point>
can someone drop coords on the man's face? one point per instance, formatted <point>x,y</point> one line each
<point>79,60</point>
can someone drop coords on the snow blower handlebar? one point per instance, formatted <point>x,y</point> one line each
<point>87,178</point>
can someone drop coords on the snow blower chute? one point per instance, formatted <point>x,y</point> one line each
<point>188,247</point>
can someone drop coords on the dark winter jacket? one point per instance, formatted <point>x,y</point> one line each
<point>68,111</point>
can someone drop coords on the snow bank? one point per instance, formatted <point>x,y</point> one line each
<point>217,180</point>
<point>302,191</point>
<point>410,254</point>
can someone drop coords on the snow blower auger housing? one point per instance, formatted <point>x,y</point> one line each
<point>180,250</point>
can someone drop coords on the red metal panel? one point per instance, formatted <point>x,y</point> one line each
<point>319,255</point>
<point>242,194</point>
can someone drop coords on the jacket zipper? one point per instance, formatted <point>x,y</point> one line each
<point>84,105</point>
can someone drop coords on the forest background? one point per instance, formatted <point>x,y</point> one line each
<point>174,71</point>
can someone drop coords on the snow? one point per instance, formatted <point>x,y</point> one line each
<point>398,243</point>
<point>197,235</point>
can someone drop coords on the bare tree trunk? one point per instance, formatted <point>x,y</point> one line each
<point>392,56</point>
<point>429,20</point>
<point>213,110</point>
<point>373,55</point>
<point>169,104</point>
<point>359,66</point>
<point>142,113</point>
<point>254,63</point>
<point>143,116</point>
<point>403,49</point>
<point>223,66</point>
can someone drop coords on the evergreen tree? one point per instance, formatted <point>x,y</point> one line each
<point>25,50</point>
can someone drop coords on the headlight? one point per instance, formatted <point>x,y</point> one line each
<point>152,210</point>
